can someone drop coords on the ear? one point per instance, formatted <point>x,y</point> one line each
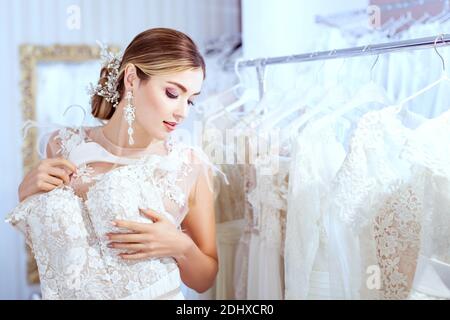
<point>131,79</point>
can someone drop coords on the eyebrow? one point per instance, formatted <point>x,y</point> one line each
<point>182,87</point>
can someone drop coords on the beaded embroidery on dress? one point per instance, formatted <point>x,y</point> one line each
<point>66,227</point>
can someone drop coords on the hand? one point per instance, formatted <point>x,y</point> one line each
<point>150,240</point>
<point>46,176</point>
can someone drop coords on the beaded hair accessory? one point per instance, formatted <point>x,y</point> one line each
<point>108,90</point>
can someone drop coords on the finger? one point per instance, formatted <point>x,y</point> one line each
<point>63,162</point>
<point>45,186</point>
<point>134,256</point>
<point>124,237</point>
<point>134,226</point>
<point>127,246</point>
<point>60,173</point>
<point>54,181</point>
<point>152,215</point>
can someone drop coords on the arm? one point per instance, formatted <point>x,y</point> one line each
<point>199,263</point>
<point>194,250</point>
<point>48,174</point>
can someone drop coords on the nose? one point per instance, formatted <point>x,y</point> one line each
<point>181,112</point>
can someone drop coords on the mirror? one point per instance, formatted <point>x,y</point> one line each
<point>52,79</point>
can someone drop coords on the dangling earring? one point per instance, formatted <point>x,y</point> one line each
<point>129,113</point>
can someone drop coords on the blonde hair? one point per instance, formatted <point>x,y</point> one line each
<point>156,51</point>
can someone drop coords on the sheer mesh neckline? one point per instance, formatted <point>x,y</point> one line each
<point>96,134</point>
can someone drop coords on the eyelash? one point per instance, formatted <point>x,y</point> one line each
<point>172,96</point>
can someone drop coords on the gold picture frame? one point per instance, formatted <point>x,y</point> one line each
<point>30,56</point>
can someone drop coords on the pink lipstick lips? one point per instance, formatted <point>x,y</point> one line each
<point>170,125</point>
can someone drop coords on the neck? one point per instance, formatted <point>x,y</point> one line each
<point>116,130</point>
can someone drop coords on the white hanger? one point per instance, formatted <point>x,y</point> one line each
<point>82,109</point>
<point>443,14</point>
<point>278,115</point>
<point>370,92</point>
<point>401,22</point>
<point>444,78</point>
<point>386,27</point>
<point>214,101</point>
<point>296,125</point>
<point>248,95</point>
<point>425,18</point>
<point>256,117</point>
<point>28,124</point>
<point>446,17</point>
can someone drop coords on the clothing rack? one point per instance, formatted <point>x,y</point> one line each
<point>374,49</point>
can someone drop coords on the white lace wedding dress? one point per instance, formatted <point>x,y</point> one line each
<point>428,148</point>
<point>376,222</point>
<point>311,173</point>
<point>265,277</point>
<point>66,227</point>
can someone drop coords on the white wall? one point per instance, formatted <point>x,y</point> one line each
<point>44,22</point>
<point>283,27</point>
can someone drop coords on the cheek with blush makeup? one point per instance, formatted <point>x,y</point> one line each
<point>152,111</point>
<point>164,101</point>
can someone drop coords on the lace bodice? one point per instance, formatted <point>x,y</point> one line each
<point>67,226</point>
<point>370,163</point>
<point>376,209</point>
<point>368,173</point>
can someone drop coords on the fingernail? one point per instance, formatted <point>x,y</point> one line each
<point>110,245</point>
<point>114,223</point>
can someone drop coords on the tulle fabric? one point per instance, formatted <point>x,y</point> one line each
<point>66,227</point>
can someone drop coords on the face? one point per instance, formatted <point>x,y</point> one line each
<point>163,101</point>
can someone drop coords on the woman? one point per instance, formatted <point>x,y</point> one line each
<point>144,95</point>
